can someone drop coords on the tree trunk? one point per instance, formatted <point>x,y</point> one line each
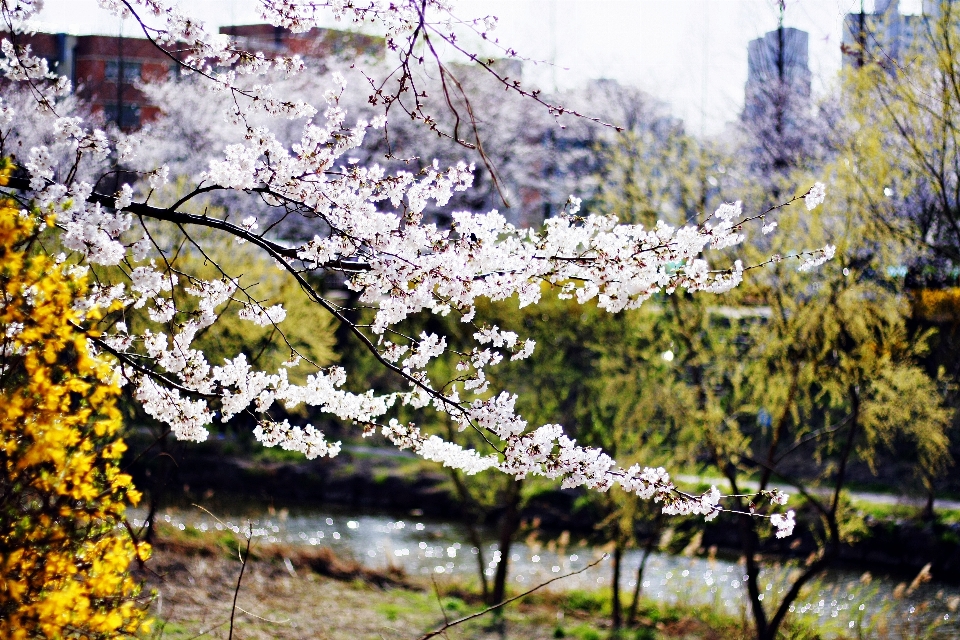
<point>509,523</point>
<point>748,536</point>
<point>748,545</point>
<point>481,560</point>
<point>616,615</point>
<point>647,550</point>
<point>157,487</point>
<point>928,513</point>
<point>472,516</point>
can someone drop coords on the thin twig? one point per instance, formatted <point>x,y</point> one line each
<point>436,592</point>
<point>253,615</point>
<point>205,632</point>
<point>458,621</point>
<point>236,592</point>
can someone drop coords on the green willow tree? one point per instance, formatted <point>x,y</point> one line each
<point>836,369</point>
<point>901,127</point>
<point>627,414</point>
<point>797,376</point>
<point>556,384</point>
<point>602,374</point>
<point>900,134</point>
<point>643,405</point>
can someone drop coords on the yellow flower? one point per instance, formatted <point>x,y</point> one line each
<point>65,569</point>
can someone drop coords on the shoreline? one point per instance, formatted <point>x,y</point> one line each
<point>897,546</point>
<point>291,592</point>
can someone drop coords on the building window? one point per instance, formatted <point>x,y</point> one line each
<point>131,71</point>
<point>128,117</point>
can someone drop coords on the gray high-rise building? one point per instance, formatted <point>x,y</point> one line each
<point>885,36</point>
<point>777,105</point>
<point>778,71</point>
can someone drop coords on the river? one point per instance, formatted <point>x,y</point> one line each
<point>840,603</point>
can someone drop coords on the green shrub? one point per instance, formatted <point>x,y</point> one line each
<point>587,601</point>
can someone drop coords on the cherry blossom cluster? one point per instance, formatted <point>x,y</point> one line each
<point>370,226</point>
<point>816,196</point>
<point>547,452</point>
<point>435,448</point>
<point>783,523</point>
<point>307,440</point>
<point>817,258</point>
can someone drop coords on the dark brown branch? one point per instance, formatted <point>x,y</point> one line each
<point>139,368</point>
<point>810,437</point>
<point>172,215</point>
<point>792,482</point>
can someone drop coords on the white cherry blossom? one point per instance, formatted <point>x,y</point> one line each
<point>370,225</point>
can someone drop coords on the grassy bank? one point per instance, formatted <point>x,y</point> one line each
<point>291,592</point>
<point>294,591</point>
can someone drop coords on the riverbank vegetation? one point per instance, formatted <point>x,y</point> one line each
<point>199,570</point>
<point>293,591</point>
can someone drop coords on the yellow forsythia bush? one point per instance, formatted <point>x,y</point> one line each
<point>64,556</point>
<point>937,305</point>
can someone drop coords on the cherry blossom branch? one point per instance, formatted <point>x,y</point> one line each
<point>171,214</point>
<point>398,264</point>
<point>127,361</point>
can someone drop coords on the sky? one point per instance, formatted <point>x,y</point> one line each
<point>691,54</point>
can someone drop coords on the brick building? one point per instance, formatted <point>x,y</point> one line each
<point>107,71</point>
<point>315,44</point>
